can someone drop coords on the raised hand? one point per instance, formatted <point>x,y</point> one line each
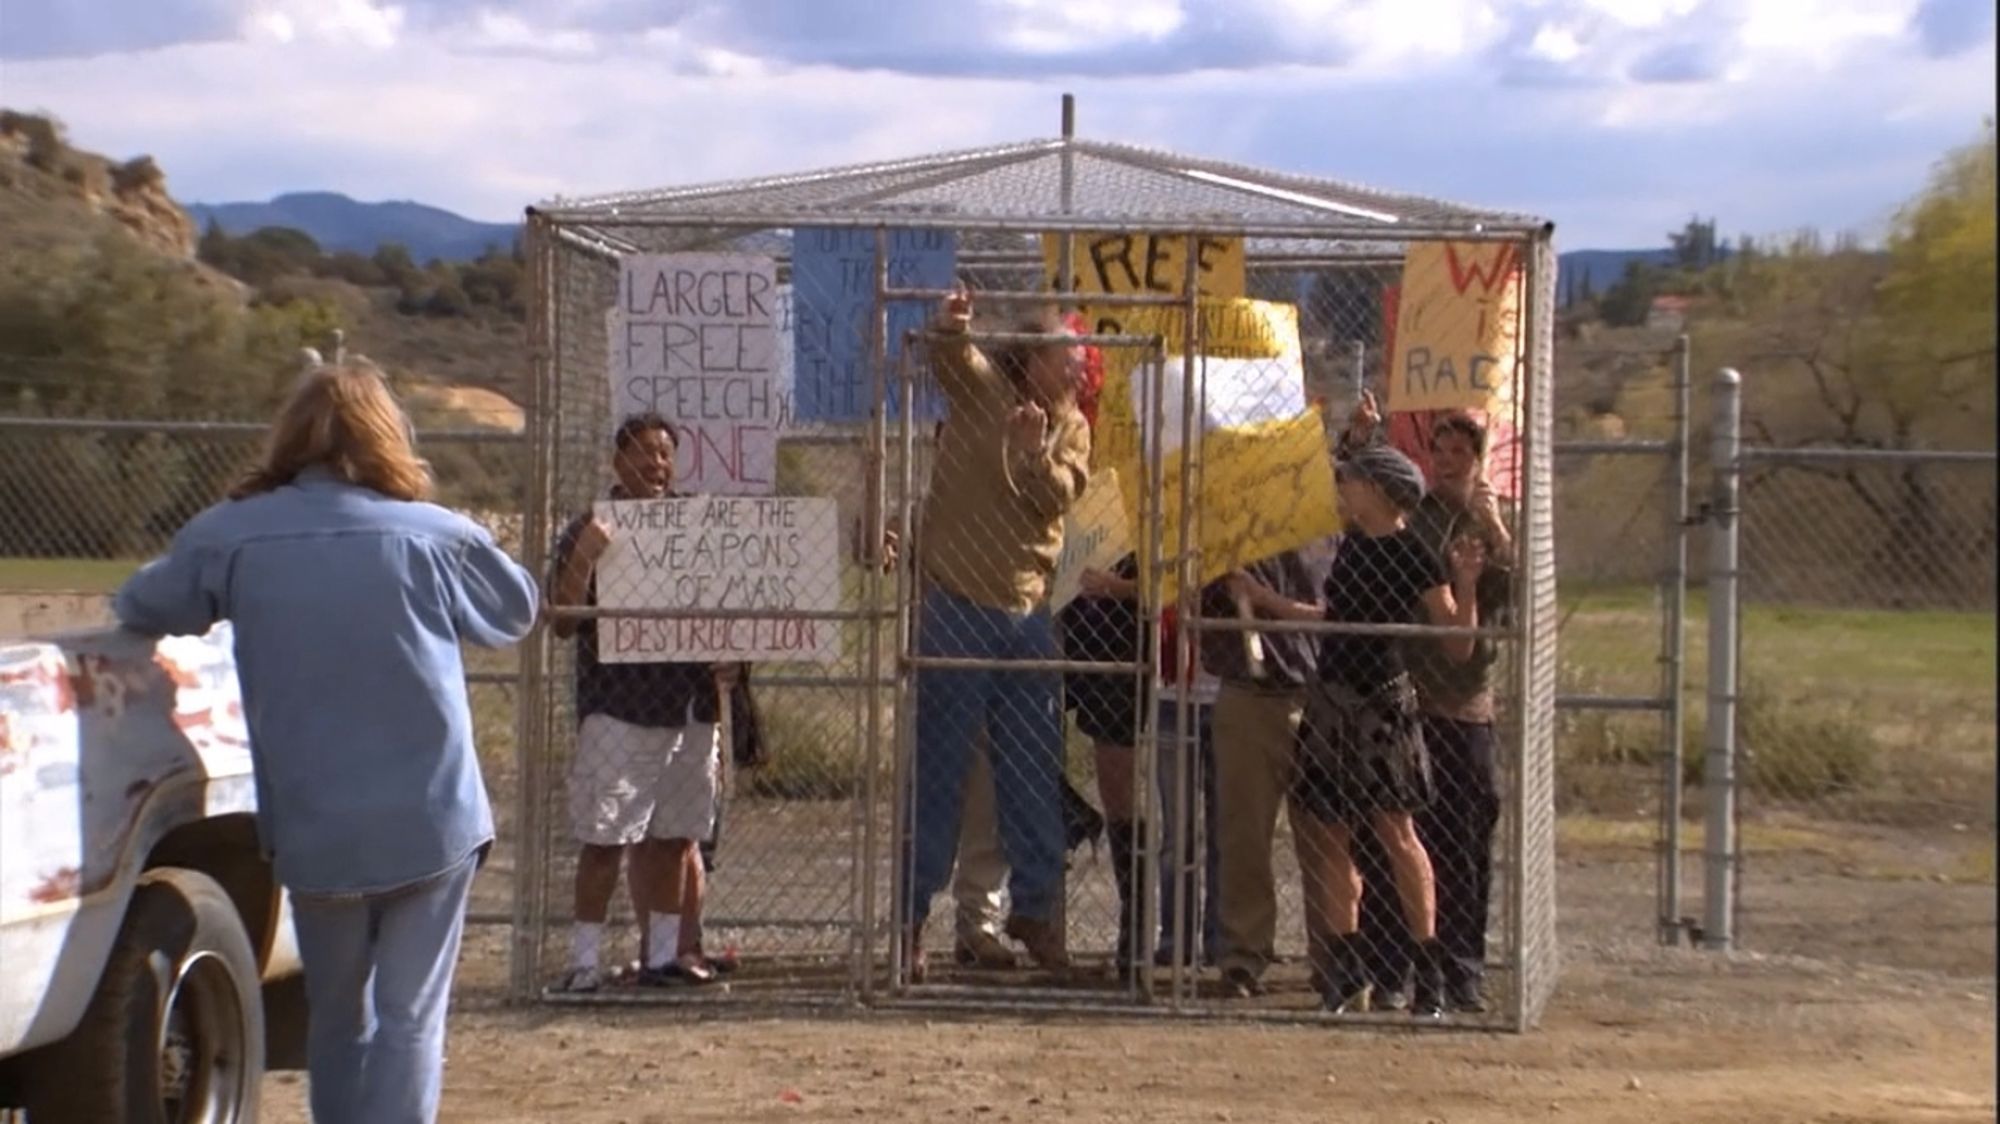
<point>1467,559</point>
<point>1485,506</point>
<point>1028,425</point>
<point>955,313</point>
<point>1366,416</point>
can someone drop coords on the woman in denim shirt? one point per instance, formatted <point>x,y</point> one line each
<point>349,595</point>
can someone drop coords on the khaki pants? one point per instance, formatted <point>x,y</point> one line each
<point>981,877</point>
<point>1254,732</point>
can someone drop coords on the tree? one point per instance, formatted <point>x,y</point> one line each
<point>1889,350</point>
<point>1626,303</point>
<point>1694,245</point>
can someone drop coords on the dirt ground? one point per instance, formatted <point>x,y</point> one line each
<point>1866,994</point>
<point>1874,1002</point>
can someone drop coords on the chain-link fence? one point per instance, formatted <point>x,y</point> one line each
<point>84,501</point>
<point>1623,460</point>
<point>1867,602</point>
<point>969,536</point>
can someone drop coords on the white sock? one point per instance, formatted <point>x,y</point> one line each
<point>585,941</point>
<point>663,938</point>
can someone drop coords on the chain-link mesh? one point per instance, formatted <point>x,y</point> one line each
<point>1867,639</point>
<point>84,501</point>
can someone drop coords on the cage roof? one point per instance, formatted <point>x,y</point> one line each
<point>1063,184</point>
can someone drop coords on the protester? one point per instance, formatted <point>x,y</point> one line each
<point>1012,459</point>
<point>646,775</point>
<point>1459,710</point>
<point>349,596</point>
<point>1102,625</point>
<point>1187,761</point>
<point>1361,753</point>
<point>1258,707</point>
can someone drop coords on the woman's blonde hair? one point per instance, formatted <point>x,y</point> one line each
<point>342,417</point>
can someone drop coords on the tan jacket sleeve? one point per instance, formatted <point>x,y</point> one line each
<point>961,368</point>
<point>1051,478</point>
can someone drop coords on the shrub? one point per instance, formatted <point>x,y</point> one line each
<point>1791,748</point>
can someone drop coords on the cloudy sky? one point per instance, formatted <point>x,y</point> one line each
<point>1617,118</point>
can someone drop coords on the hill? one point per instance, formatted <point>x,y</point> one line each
<point>339,223</point>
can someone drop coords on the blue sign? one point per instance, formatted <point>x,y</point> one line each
<point>833,295</point>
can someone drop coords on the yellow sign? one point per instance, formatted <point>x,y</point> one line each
<point>1260,457</point>
<point>1458,328</point>
<point>1095,536</point>
<point>1146,263</point>
<point>1136,263</point>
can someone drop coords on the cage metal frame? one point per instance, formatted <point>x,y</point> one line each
<point>1061,186</point>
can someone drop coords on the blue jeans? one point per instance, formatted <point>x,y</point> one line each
<point>378,980</point>
<point>1021,714</point>
<point>1172,755</point>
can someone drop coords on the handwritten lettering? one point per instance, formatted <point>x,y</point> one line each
<point>833,335</point>
<point>1457,329</point>
<point>764,554</point>
<point>694,338</point>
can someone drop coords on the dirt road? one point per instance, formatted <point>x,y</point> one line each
<point>1894,1025</point>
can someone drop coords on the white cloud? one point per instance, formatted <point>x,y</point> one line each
<point>350,23</point>
<point>1617,118</point>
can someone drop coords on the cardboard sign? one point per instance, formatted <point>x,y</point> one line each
<point>1095,536</point>
<point>775,554</point>
<point>833,281</point>
<point>694,338</point>
<point>1458,328</point>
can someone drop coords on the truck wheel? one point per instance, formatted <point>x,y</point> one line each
<point>175,1033</point>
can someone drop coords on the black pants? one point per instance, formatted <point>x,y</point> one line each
<point>1457,831</point>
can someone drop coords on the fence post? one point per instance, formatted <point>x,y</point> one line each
<point>1673,658</point>
<point>1719,772</point>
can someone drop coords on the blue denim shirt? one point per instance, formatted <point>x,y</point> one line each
<point>348,609</point>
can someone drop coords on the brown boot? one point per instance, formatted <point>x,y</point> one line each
<point>1043,941</point>
<point>977,948</point>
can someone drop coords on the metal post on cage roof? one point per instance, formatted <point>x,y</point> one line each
<point>1066,252</point>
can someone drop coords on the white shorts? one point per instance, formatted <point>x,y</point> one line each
<point>629,782</point>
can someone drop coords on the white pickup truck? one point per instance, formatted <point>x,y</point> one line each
<point>140,927</point>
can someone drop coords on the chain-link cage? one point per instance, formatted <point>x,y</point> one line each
<point>951,551</point>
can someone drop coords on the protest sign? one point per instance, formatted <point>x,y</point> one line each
<point>766,554</point>
<point>833,279</point>
<point>1458,327</point>
<point>1409,429</point>
<point>1095,536</point>
<point>1136,263</point>
<point>694,337</point>
<point>1265,471</point>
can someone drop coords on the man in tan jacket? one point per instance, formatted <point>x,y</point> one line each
<point>1013,457</point>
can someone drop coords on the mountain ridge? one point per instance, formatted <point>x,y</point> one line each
<point>340,222</point>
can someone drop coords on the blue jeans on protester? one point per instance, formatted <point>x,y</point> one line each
<point>1200,889</point>
<point>1021,713</point>
<point>378,973</point>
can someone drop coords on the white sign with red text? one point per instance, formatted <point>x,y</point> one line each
<point>768,557</point>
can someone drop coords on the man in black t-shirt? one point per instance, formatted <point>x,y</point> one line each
<point>645,777</point>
